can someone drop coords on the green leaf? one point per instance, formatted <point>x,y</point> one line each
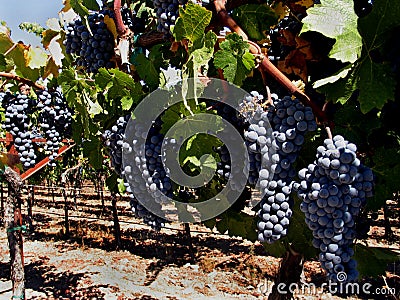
<point>91,4</point>
<point>112,182</point>
<point>126,102</point>
<point>386,169</point>
<point>47,37</point>
<point>255,19</point>
<point>192,22</point>
<point>331,79</point>
<point>36,58</point>
<point>92,150</point>
<point>202,56</point>
<point>121,186</point>
<point>377,85</point>
<point>340,90</point>
<point>336,19</point>
<point>277,249</point>
<point>103,78</point>
<point>234,59</point>
<point>79,8</point>
<point>383,17</point>
<point>373,261</point>
<point>147,71</point>
<point>3,62</point>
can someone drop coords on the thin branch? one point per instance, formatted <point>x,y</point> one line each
<point>150,38</point>
<point>23,80</point>
<point>123,31</point>
<point>267,65</point>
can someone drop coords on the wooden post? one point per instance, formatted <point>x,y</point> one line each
<point>289,272</point>
<point>66,220</point>
<point>64,193</point>
<point>29,203</point>
<point>1,203</point>
<point>117,229</point>
<point>13,222</point>
<point>189,241</point>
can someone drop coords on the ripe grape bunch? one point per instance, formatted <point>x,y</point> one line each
<point>114,141</point>
<point>333,190</point>
<point>275,136</point>
<point>17,122</point>
<point>55,120</point>
<point>94,47</point>
<point>130,19</point>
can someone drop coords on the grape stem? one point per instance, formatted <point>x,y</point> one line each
<point>23,80</point>
<point>267,65</point>
<point>123,31</point>
<point>329,132</point>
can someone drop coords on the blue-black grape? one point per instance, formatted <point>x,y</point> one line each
<point>333,190</point>
<point>94,47</point>
<point>154,172</point>
<point>18,109</point>
<point>274,138</point>
<point>55,120</point>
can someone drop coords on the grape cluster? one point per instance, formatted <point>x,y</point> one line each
<point>281,36</point>
<point>94,47</point>
<point>223,166</point>
<point>114,141</point>
<point>167,12</point>
<point>333,190</point>
<point>17,122</point>
<point>276,136</point>
<point>55,119</point>
<point>134,23</point>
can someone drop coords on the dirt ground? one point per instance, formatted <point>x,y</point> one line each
<point>148,265</point>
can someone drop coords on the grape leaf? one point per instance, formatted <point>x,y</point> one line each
<point>192,22</point>
<point>47,37</point>
<point>53,24</point>
<point>92,150</point>
<point>35,57</point>
<point>111,26</point>
<point>50,68</point>
<point>67,5</point>
<point>338,91</point>
<point>195,148</point>
<point>3,62</point>
<point>255,19</point>
<point>383,17</point>
<point>126,102</point>
<point>387,170</point>
<point>336,19</point>
<point>103,78</point>
<point>331,79</point>
<point>146,70</point>
<point>91,4</point>
<point>234,59</point>
<point>376,84</point>
<point>79,8</point>
<point>372,261</point>
<point>199,58</point>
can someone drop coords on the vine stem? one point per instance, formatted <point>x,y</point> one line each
<point>267,65</point>
<point>328,132</point>
<point>123,31</point>
<point>23,80</point>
